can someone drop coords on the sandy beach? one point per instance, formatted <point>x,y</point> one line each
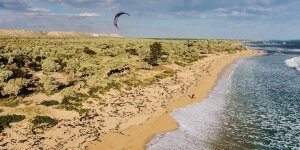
<point>188,86</point>
<point>134,75</point>
<point>114,94</point>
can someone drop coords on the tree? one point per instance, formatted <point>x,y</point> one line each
<point>155,53</point>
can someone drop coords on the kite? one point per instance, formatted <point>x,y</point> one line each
<point>117,17</point>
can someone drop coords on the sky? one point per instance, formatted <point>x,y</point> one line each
<point>217,19</point>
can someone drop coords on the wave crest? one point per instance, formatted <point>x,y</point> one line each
<point>293,63</point>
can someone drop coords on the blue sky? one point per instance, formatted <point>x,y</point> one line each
<point>237,19</point>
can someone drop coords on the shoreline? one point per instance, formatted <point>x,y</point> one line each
<point>136,136</point>
<point>200,119</point>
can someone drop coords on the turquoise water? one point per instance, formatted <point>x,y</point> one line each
<point>256,107</point>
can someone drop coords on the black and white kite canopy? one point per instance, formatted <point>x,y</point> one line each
<point>117,17</point>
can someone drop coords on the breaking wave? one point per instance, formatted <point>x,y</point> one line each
<point>293,63</point>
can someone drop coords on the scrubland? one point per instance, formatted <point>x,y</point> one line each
<point>47,83</point>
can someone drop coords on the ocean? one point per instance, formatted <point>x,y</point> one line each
<point>256,106</point>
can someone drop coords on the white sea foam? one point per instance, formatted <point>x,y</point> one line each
<point>198,124</point>
<point>293,63</point>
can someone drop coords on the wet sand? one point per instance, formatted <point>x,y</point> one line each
<point>200,79</point>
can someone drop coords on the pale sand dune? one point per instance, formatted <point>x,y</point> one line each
<point>62,34</point>
<point>162,98</point>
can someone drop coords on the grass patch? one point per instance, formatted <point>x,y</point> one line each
<point>73,103</point>
<point>148,81</point>
<point>94,90</point>
<point>132,82</point>
<point>73,108</point>
<point>113,85</point>
<point>31,111</point>
<point>6,120</point>
<point>38,120</point>
<point>50,103</point>
<point>165,74</point>
<point>102,90</point>
<point>179,63</point>
<point>9,103</point>
<point>194,58</point>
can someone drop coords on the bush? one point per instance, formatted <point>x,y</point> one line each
<point>38,120</point>
<point>34,66</point>
<point>50,103</point>
<point>14,86</point>
<point>50,64</point>
<point>5,74</point>
<point>6,120</point>
<point>132,51</point>
<point>3,61</point>
<point>72,65</point>
<point>49,84</point>
<point>89,51</point>
<point>68,92</point>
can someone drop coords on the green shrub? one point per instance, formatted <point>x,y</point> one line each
<point>49,84</point>
<point>50,64</point>
<point>34,66</point>
<point>5,74</point>
<point>38,120</point>
<point>73,103</point>
<point>50,103</point>
<point>6,120</point>
<point>68,92</point>
<point>72,65</point>
<point>132,51</point>
<point>14,86</point>
<point>89,51</point>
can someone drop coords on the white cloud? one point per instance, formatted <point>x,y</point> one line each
<point>238,13</point>
<point>38,10</point>
<point>89,14</point>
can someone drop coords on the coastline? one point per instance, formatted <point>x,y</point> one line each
<point>137,135</point>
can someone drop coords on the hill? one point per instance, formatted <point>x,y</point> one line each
<point>31,33</point>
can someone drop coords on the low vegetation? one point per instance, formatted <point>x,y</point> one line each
<point>6,120</point>
<point>50,103</point>
<point>44,120</point>
<point>83,68</point>
<point>74,103</point>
